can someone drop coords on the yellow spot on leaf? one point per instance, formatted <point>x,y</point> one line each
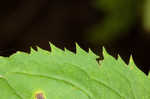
<point>131,67</point>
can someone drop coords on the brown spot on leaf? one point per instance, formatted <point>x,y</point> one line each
<point>39,96</point>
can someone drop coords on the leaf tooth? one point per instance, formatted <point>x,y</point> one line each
<point>131,62</point>
<point>132,65</point>
<point>120,60</point>
<point>67,52</point>
<point>39,49</point>
<point>105,53</point>
<point>80,51</point>
<point>42,51</point>
<point>32,50</point>
<point>55,49</point>
<point>91,53</point>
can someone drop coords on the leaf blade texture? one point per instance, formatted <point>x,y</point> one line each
<point>65,75</point>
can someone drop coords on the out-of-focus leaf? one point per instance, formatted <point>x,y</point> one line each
<point>146,17</point>
<point>120,17</point>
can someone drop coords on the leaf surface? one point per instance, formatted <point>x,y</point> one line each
<point>65,75</point>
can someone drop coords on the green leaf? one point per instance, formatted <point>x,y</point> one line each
<point>65,75</point>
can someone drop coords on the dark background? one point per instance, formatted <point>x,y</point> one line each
<point>26,23</point>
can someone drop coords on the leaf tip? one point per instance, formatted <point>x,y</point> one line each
<point>77,46</point>
<point>105,53</point>
<point>79,50</point>
<point>52,46</point>
<point>32,50</point>
<point>92,53</point>
<point>131,61</point>
<point>39,49</point>
<point>55,49</point>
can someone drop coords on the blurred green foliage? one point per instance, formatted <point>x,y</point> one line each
<point>146,16</point>
<point>120,16</point>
